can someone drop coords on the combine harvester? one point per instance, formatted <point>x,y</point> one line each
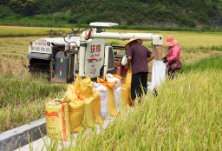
<point>88,55</point>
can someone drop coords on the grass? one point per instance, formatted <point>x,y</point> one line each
<point>185,116</point>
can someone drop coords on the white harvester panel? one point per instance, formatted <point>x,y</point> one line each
<point>94,57</point>
<point>103,24</point>
<point>41,46</point>
<point>109,65</point>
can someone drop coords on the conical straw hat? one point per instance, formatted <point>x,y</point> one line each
<point>140,41</point>
<point>170,41</point>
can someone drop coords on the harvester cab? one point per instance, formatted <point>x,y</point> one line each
<point>85,54</point>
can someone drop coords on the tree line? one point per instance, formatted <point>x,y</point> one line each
<point>134,12</point>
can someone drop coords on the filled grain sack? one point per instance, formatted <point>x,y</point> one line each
<point>105,90</point>
<point>103,93</point>
<point>126,99</point>
<point>57,120</point>
<point>128,80</point>
<point>76,106</point>
<point>96,108</point>
<point>111,101</point>
<point>116,90</point>
<point>86,90</point>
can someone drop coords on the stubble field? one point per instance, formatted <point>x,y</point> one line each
<point>186,115</point>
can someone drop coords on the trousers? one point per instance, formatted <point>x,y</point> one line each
<point>138,84</point>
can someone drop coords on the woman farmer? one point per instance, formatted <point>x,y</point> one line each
<point>173,56</point>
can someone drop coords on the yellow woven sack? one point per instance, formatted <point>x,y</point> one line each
<point>70,93</point>
<point>57,120</point>
<point>111,103</point>
<point>126,96</point>
<point>76,108</point>
<point>78,84</point>
<point>128,80</point>
<point>86,90</point>
<point>125,93</point>
<point>96,108</point>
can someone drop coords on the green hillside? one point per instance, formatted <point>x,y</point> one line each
<point>185,13</point>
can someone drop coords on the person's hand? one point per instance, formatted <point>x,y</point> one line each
<point>127,67</point>
<point>165,60</point>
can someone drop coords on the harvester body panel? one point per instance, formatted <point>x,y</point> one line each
<point>62,67</point>
<point>94,57</point>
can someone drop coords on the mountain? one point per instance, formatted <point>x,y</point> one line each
<point>183,13</point>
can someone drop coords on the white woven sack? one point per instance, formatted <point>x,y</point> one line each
<point>158,74</point>
<point>116,90</point>
<point>104,109</point>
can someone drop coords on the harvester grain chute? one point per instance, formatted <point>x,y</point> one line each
<point>85,55</point>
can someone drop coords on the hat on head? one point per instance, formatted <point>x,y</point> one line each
<point>140,41</point>
<point>170,41</point>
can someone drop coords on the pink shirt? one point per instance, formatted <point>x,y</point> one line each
<point>173,53</point>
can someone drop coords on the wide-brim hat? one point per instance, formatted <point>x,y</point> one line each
<point>170,41</point>
<point>140,41</point>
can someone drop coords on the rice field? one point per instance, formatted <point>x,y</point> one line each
<point>185,116</point>
<point>16,31</point>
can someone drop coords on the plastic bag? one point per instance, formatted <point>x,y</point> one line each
<point>124,61</point>
<point>57,120</point>
<point>111,101</point>
<point>116,90</point>
<point>96,108</point>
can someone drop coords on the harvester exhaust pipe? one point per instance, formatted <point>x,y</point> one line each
<point>157,46</point>
<point>75,60</point>
<point>85,34</point>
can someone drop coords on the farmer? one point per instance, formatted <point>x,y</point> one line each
<point>173,56</point>
<point>138,56</point>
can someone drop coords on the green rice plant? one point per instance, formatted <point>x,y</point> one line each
<point>16,114</point>
<point>22,98</point>
<point>204,64</point>
<point>186,115</point>
<point>9,31</point>
<point>114,43</point>
<point>17,91</point>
